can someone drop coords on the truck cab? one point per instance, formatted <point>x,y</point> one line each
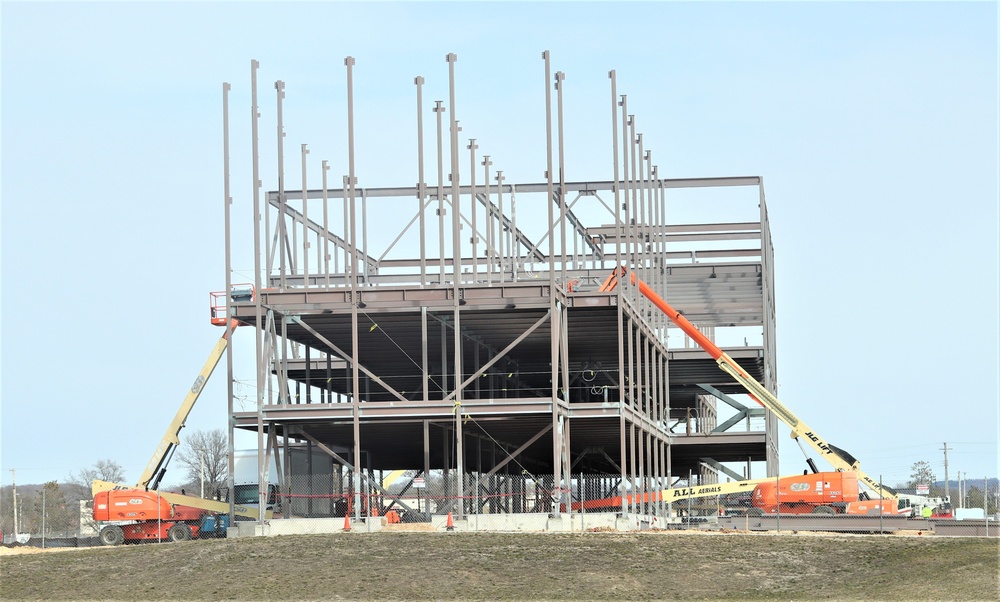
<point>245,488</point>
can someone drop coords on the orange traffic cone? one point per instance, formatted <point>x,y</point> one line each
<point>347,522</point>
<point>450,525</point>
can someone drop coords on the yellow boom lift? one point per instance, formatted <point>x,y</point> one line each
<point>157,466</point>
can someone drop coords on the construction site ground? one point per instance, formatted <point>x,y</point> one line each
<point>507,566</point>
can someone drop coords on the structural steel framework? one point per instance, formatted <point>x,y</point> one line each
<point>457,326</point>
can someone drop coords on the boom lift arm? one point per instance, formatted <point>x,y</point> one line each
<point>674,494</point>
<point>838,458</point>
<point>157,466</point>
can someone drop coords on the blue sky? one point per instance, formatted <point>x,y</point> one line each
<point>874,126</point>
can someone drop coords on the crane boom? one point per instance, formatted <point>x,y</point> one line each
<point>157,464</point>
<point>838,458</point>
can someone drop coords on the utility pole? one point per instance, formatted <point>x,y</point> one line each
<point>986,503</point>
<point>947,489</point>
<point>13,482</point>
<point>961,491</point>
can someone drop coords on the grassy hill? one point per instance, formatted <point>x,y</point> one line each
<point>492,566</point>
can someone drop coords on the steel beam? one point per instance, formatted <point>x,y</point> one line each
<point>541,187</point>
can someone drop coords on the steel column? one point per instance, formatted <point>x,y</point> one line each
<point>456,206</point>
<point>475,224</point>
<point>254,121</point>
<point>355,292</point>
<point>227,204</point>
<point>326,225</point>
<point>279,86</point>
<point>421,189</point>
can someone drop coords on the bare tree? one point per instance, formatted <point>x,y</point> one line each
<point>78,487</point>
<point>205,458</point>
<point>102,470</point>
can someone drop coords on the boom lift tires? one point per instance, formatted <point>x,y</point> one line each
<point>112,535</point>
<point>179,532</point>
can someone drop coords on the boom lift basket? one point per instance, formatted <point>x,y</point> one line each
<point>239,293</point>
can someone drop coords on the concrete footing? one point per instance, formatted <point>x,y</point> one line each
<point>528,523</point>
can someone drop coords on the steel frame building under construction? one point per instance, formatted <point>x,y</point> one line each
<point>460,327</point>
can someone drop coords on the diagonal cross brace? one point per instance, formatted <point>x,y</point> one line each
<point>346,356</point>
<point>493,210</point>
<point>722,396</point>
<point>350,466</point>
<point>739,416</point>
<point>517,452</point>
<point>711,463</point>
<point>500,355</point>
<point>579,227</point>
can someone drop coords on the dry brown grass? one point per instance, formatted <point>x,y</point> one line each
<point>497,566</point>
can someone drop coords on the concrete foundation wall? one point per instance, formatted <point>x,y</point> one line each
<point>535,523</point>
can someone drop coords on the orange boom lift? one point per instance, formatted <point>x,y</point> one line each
<point>139,512</point>
<point>838,458</point>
